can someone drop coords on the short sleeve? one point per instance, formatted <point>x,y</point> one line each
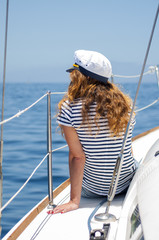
<point>64,117</point>
<point>133,121</point>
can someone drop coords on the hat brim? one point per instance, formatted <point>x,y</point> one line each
<point>88,73</point>
<point>75,67</point>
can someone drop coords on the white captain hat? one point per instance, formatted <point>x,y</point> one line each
<point>92,64</point>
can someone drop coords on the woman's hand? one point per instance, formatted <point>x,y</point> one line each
<point>70,206</point>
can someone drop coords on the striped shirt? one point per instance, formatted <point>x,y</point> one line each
<point>100,148</point>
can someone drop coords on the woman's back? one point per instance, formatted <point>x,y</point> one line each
<point>101,148</point>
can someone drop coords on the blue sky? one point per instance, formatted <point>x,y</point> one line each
<point>43,35</point>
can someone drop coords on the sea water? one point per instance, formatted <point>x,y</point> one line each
<point>25,141</point>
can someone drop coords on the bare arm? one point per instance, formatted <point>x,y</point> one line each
<point>76,167</point>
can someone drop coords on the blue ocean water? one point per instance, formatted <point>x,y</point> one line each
<point>25,142</point>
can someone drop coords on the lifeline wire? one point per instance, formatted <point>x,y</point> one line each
<point>134,76</point>
<point>9,201</point>
<point>138,110</point>
<point>26,109</point>
<point>53,93</point>
<point>21,112</point>
<point>58,93</point>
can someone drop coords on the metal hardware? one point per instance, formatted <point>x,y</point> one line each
<point>112,79</point>
<point>2,114</point>
<point>119,162</point>
<point>49,150</point>
<point>4,76</point>
<point>100,234</point>
<point>157,153</point>
<point>157,73</point>
<point>105,217</point>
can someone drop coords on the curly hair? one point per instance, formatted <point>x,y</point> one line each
<point>110,101</point>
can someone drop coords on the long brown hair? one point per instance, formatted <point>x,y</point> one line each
<point>110,101</point>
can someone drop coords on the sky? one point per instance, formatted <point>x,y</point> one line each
<point>43,35</point>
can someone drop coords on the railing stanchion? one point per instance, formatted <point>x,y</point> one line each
<point>49,150</point>
<point>157,73</point>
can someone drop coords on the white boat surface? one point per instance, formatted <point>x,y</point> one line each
<point>141,197</point>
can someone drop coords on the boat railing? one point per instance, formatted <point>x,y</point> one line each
<point>31,175</point>
<point>49,137</point>
<point>49,148</point>
<point>26,109</point>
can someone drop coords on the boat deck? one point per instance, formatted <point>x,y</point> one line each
<point>38,224</point>
<point>56,225</point>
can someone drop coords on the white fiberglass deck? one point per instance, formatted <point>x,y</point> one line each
<point>71,225</point>
<point>74,225</point>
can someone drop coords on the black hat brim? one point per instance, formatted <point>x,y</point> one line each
<point>88,73</point>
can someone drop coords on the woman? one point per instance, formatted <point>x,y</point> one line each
<point>93,117</point>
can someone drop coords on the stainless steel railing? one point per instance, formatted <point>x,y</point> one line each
<point>49,150</point>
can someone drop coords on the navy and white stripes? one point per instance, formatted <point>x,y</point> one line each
<point>100,148</point>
